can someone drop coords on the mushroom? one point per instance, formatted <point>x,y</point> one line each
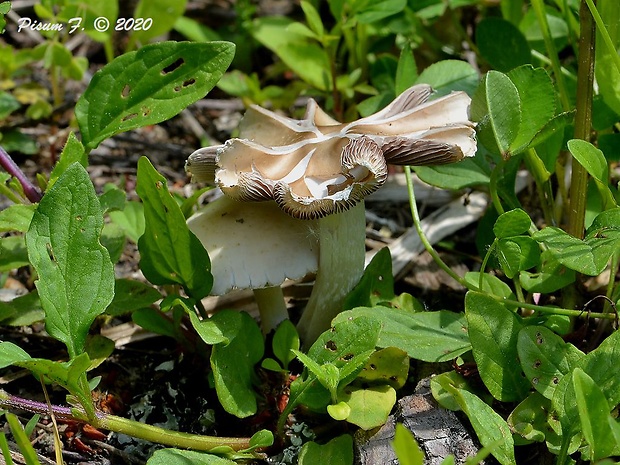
<point>256,246</point>
<point>319,169</point>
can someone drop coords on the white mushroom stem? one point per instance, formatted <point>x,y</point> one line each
<point>271,306</point>
<point>342,238</point>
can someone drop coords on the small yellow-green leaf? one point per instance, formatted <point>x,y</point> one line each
<point>369,407</point>
<point>406,447</point>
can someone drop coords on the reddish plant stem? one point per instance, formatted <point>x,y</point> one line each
<point>31,192</point>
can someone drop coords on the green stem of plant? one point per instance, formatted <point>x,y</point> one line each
<point>128,427</point>
<point>604,33</point>
<point>427,245</point>
<point>583,122</point>
<point>552,310</point>
<point>493,191</point>
<point>168,437</point>
<point>543,186</point>
<point>541,15</point>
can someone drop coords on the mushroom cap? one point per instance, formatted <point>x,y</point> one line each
<point>254,245</point>
<point>317,166</point>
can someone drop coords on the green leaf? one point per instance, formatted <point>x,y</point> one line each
<point>551,277</point>
<point>529,418</point>
<point>313,18</point>
<point>386,366</point>
<point>72,152</point>
<point>112,198</point>
<point>407,71</point>
<point>338,451</point>
<point>233,365</point>
<point>70,375</point>
<point>149,86</point>
<point>376,285</point>
<point>285,339</point>
<point>210,331</point>
<point>164,14</point>
<point>512,223</point>
<point>428,336</point>
<point>367,12</point>
<point>517,253</point>
<point>186,457</point>
<point>466,173</point>
<point>493,331</point>
<point>23,442</point>
<point>169,252</point>
<point>504,110</point>
<point>8,103</point>
<point>545,358</point>
<point>130,295</point>
<point>449,75</point>
<point>606,71</point>
<point>305,57</point>
<point>22,311</point>
<point>406,447</point>
<point>11,354</point>
<point>76,276</point>
<point>492,429</point>
<point>113,239</point>
<point>574,253</point>
<point>538,101</point>
<point>594,412</point>
<point>16,217</point>
<point>346,342</point>
<point>502,44</point>
<point>593,160</point>
<point>13,253</point>
<point>131,219</point>
<point>369,407</point>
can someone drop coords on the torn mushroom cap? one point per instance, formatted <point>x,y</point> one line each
<point>254,245</point>
<point>317,166</point>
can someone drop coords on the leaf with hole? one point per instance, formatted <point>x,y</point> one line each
<point>386,366</point>
<point>149,86</point>
<point>545,358</point>
<point>76,276</point>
